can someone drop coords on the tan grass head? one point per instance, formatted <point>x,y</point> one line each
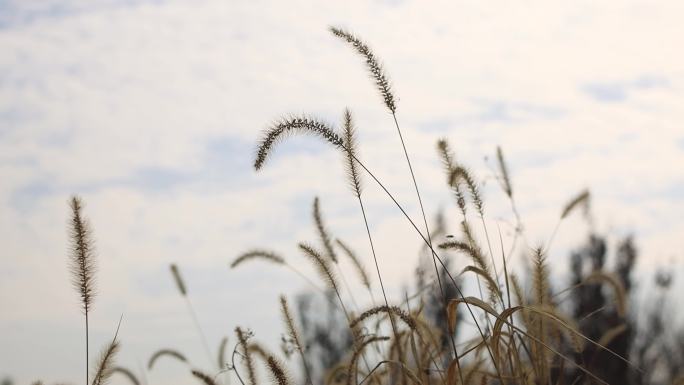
<point>82,263</point>
<point>376,69</point>
<point>288,126</point>
<point>265,255</point>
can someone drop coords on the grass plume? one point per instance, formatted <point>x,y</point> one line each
<point>322,231</point>
<point>351,153</point>
<point>82,263</point>
<point>205,378</point>
<point>278,374</point>
<point>461,175</point>
<point>503,169</point>
<point>126,373</point>
<point>294,334</point>
<point>265,255</point>
<point>184,293</point>
<point>449,164</point>
<point>322,265</point>
<point>581,199</point>
<point>405,317</point>
<point>105,364</point>
<point>242,337</point>
<point>363,274</point>
<point>288,126</point>
<point>222,352</point>
<point>180,284</point>
<point>374,67</point>
<point>165,352</point>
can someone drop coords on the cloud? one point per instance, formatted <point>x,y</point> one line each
<point>620,91</point>
<point>150,110</point>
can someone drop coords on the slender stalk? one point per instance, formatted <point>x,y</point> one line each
<point>307,279</point>
<point>86,334</point>
<point>435,256</point>
<point>191,310</point>
<point>346,286</point>
<point>377,268</point>
<point>429,240</point>
<point>491,255</point>
<point>232,362</point>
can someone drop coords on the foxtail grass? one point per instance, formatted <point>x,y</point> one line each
<point>182,289</point>
<point>82,264</point>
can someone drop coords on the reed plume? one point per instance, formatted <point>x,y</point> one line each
<point>373,65</point>
<point>322,231</point>
<point>165,352</point>
<point>285,127</point>
<point>82,263</point>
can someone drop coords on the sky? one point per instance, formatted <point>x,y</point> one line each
<point>151,110</point>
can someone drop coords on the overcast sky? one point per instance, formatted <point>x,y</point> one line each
<point>150,110</point>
